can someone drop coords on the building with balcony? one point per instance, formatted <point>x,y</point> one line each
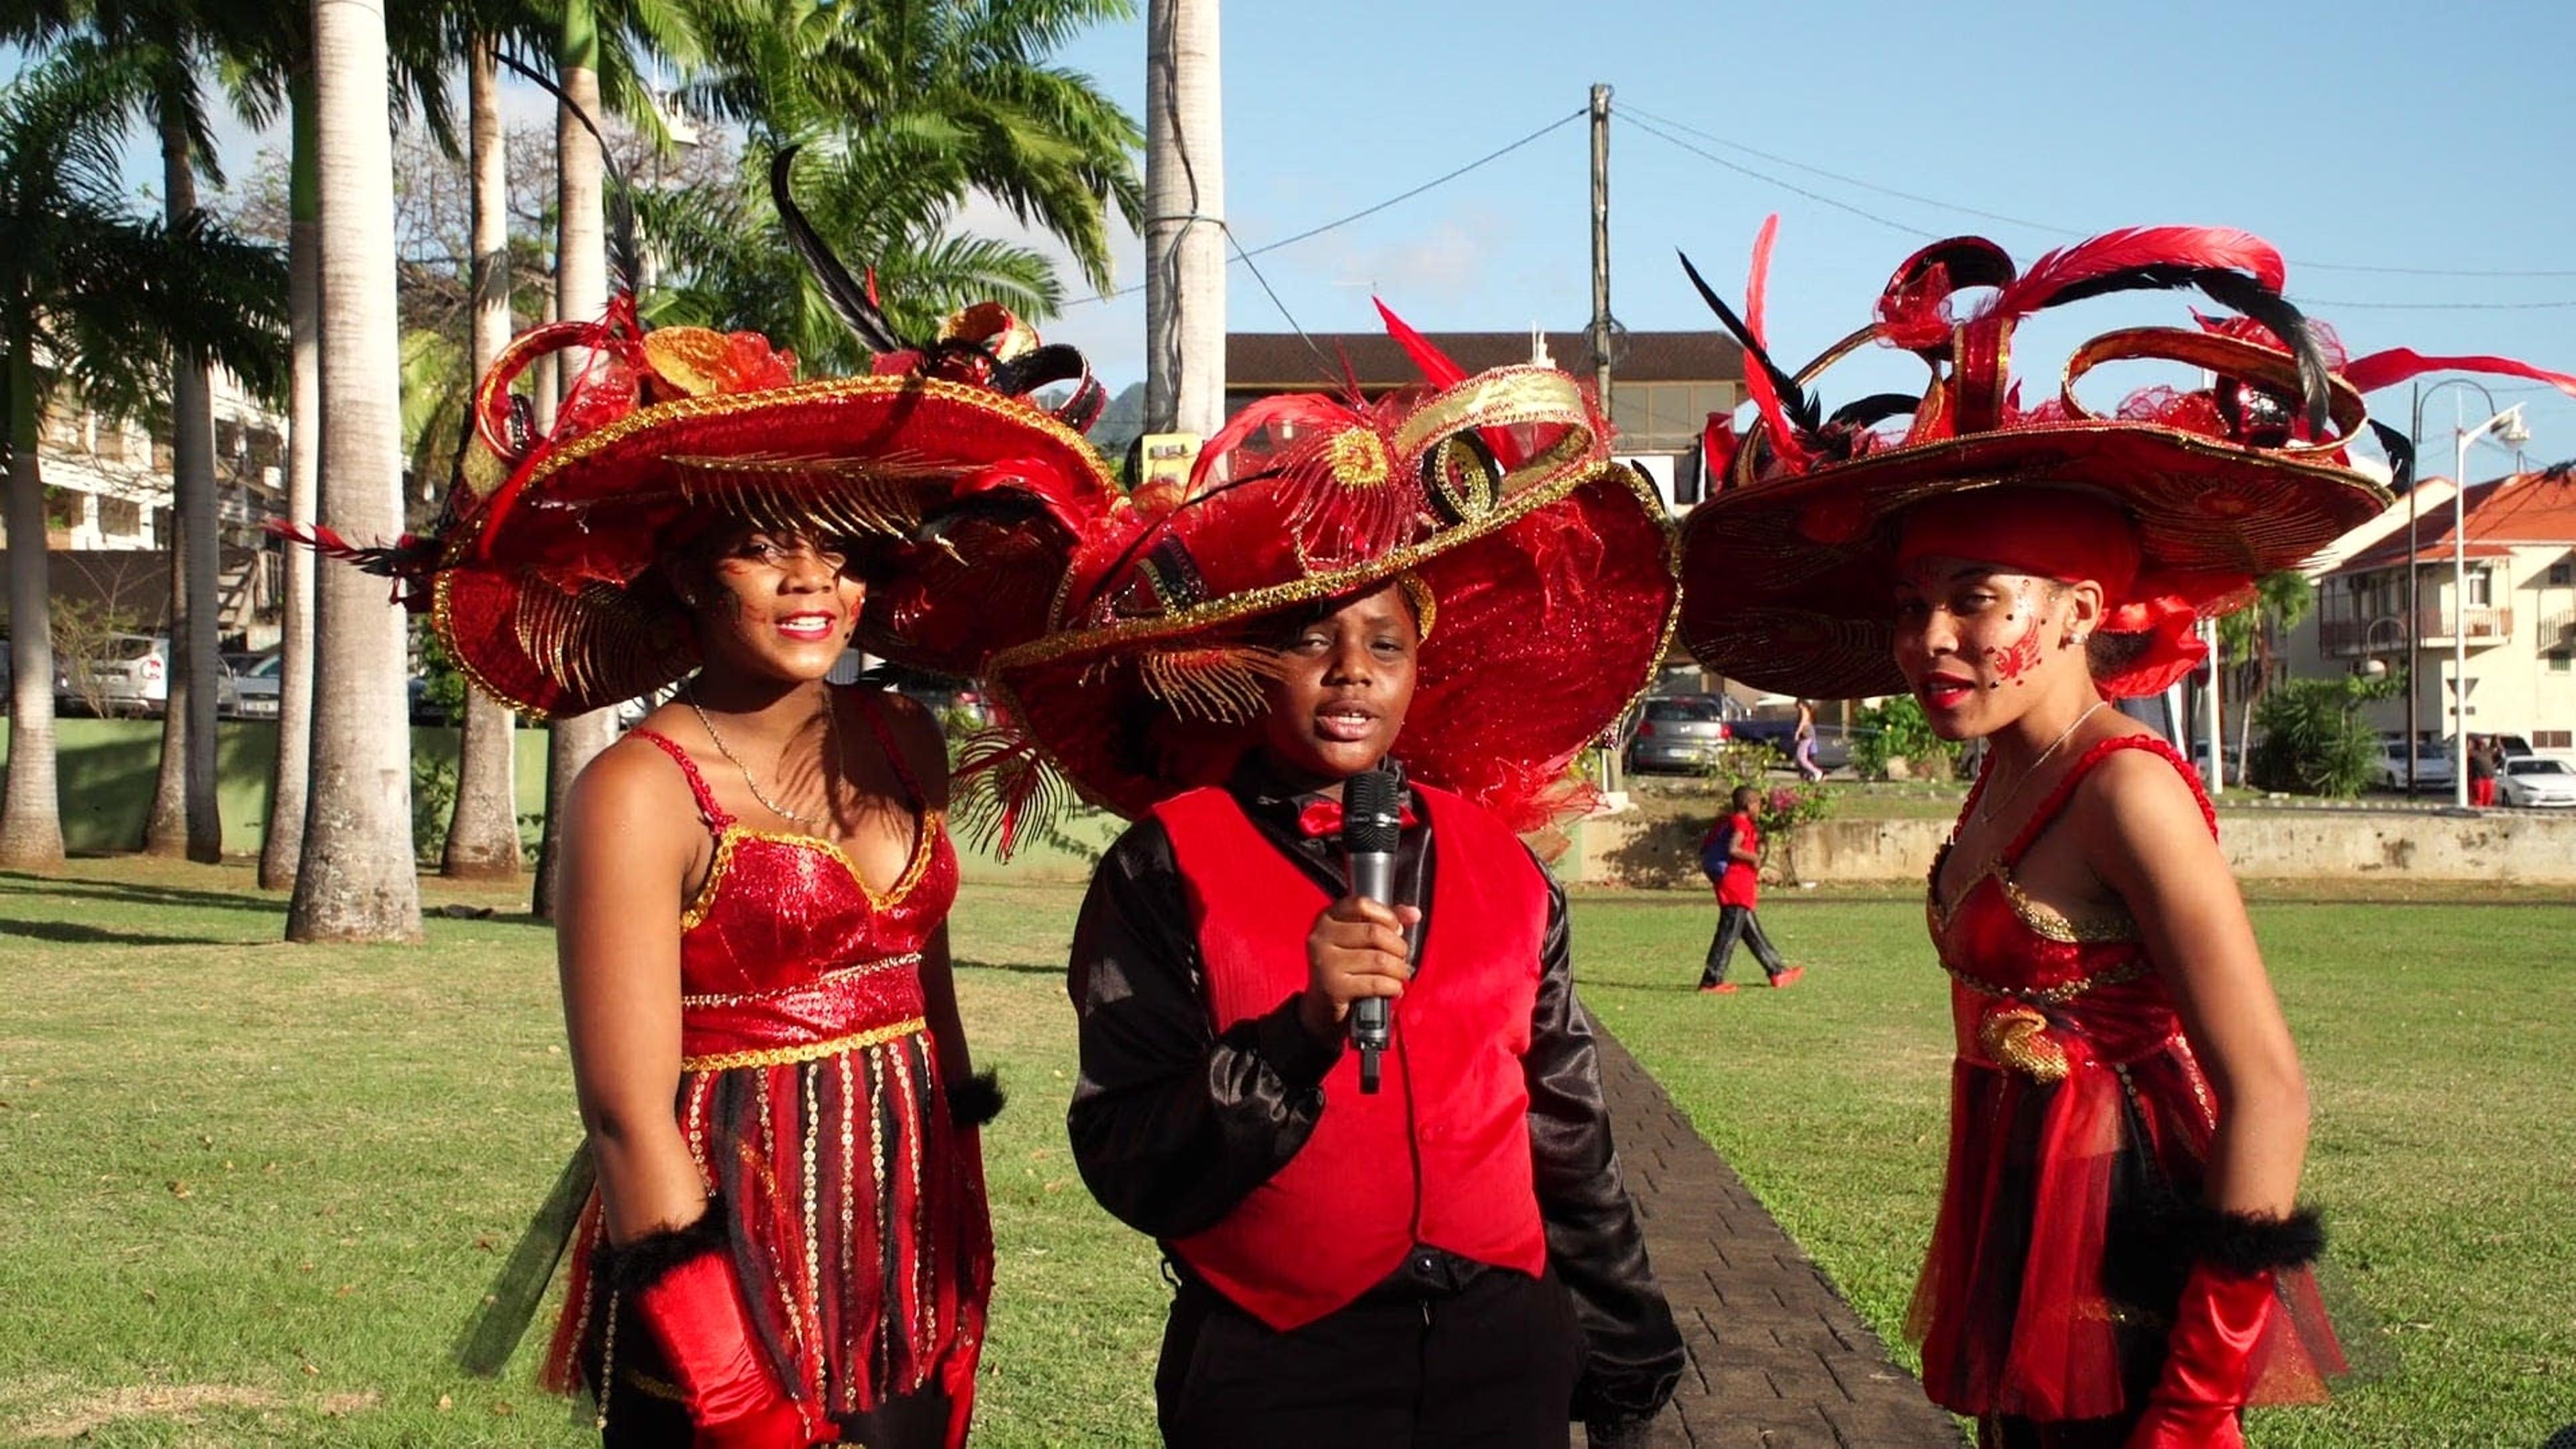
<point>2513,607</point>
<point>108,505</point>
<point>1663,386</point>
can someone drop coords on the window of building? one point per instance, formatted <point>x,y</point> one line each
<point>2562,573</point>
<point>2481,588</point>
<point>121,517</point>
<point>2561,662</point>
<point>65,507</point>
<point>2553,739</point>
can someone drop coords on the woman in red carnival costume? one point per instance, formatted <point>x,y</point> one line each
<point>1358,591</point>
<point>2120,1258</point>
<point>788,1241</point>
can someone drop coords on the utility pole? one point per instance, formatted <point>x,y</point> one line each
<point>1184,221</point>
<point>1610,780</point>
<point>1601,245</point>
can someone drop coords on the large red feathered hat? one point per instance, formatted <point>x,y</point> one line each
<point>1541,572</point>
<point>957,494</point>
<point>1788,567</point>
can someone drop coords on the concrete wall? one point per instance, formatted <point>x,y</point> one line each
<point>2264,844</point>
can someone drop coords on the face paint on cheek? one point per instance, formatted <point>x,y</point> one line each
<point>2017,660</point>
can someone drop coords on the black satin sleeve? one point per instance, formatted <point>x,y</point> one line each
<point>1632,1352</point>
<point>1172,1123</point>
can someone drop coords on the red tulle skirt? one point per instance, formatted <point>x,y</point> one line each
<point>859,1226</point>
<point>2053,1272</point>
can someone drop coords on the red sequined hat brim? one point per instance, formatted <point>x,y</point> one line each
<point>554,604</point>
<point>1533,653</point>
<point>1790,582</point>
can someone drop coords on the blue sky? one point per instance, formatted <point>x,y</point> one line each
<point>2356,134</point>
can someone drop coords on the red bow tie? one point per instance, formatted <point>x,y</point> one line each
<point>1324,817</point>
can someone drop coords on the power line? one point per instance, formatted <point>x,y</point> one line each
<point>1636,112</point>
<point>1641,112</point>
<point>1629,118</point>
<point>1245,256</point>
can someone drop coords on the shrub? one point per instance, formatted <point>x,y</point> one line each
<point>1897,730</point>
<point>2313,739</point>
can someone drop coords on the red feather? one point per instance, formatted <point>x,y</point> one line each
<point>1766,398</point>
<point>1434,364</point>
<point>2135,247</point>
<point>2397,364</point>
<point>1438,369</point>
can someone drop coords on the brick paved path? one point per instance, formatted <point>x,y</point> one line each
<point>1777,1359</point>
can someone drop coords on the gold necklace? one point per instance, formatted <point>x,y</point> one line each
<point>1986,811</point>
<point>831,748</point>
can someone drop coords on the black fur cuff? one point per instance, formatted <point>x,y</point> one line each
<point>642,1263</point>
<point>976,1100</point>
<point>2252,1242</point>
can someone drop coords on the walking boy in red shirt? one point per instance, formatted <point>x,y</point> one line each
<point>1731,856</point>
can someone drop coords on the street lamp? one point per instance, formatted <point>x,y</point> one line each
<point>2414,574</point>
<point>2509,430</point>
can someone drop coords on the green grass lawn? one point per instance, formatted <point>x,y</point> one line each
<point>251,1191</point>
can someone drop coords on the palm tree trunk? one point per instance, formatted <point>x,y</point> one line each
<point>31,816</point>
<point>184,818</point>
<point>581,293</point>
<point>483,832</point>
<point>282,847</point>
<point>357,882</point>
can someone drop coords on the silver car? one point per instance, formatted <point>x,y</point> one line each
<point>1684,733</point>
<point>254,685</point>
<point>2537,781</point>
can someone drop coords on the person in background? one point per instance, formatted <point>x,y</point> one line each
<point>1803,743</point>
<point>1730,855</point>
<point>2485,758</point>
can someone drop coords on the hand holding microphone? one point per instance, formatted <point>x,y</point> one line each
<point>1356,956</point>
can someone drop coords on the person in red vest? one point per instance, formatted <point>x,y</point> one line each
<point>1731,856</point>
<point>1454,1259</point>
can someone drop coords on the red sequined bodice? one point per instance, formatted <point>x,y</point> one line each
<point>2027,981</point>
<point>813,1101</point>
<point>787,949</point>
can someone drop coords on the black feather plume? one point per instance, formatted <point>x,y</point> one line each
<point>2401,456</point>
<point>1801,406</point>
<point>617,195</point>
<point>849,299</point>
<point>2238,292</point>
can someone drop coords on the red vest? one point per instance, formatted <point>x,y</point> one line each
<point>1342,1214</point>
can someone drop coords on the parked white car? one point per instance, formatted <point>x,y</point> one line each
<point>2432,763</point>
<point>2537,781</point>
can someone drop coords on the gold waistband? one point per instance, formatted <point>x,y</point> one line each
<point>790,1055</point>
<point>829,978</point>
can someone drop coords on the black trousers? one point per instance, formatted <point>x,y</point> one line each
<point>1738,923</point>
<point>1492,1366</point>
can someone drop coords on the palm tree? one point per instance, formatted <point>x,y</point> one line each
<point>276,67</point>
<point>483,830</point>
<point>903,111</point>
<point>971,84</point>
<point>2247,638</point>
<point>356,882</point>
<point>735,271</point>
<point>281,845</point>
<point>92,296</point>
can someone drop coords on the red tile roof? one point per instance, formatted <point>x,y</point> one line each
<point>2527,510</point>
<point>1267,362</point>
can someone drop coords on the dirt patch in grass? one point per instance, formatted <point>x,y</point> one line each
<point>74,1417</point>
